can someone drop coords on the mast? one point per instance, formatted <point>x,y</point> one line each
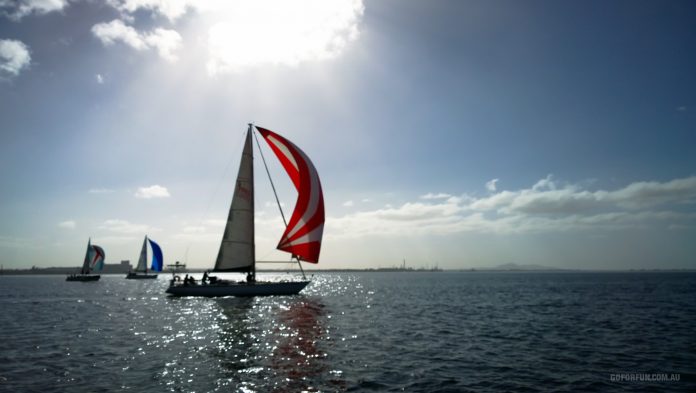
<point>250,131</point>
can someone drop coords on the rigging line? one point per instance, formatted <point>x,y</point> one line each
<point>270,179</point>
<point>216,190</point>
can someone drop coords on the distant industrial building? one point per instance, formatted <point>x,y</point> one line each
<point>109,268</point>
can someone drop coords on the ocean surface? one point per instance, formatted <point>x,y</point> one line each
<point>397,331</point>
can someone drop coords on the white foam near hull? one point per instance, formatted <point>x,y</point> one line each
<point>238,289</point>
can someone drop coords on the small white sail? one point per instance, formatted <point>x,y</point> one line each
<point>237,247</point>
<point>88,257</point>
<point>142,261</point>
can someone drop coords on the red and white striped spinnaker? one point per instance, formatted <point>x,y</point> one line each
<point>303,233</point>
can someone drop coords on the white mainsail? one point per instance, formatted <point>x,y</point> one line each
<point>237,251</point>
<point>142,261</point>
<point>88,258</point>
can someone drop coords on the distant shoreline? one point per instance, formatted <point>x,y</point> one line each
<point>69,270</point>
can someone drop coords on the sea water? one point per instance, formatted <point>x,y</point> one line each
<point>396,331</point>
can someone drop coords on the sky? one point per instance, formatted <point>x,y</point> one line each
<point>457,134</point>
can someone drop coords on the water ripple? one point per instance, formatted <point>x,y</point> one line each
<point>446,332</point>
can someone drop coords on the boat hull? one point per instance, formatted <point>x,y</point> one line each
<point>238,289</point>
<point>136,276</point>
<point>83,277</point>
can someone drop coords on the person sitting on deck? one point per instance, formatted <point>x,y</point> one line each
<point>205,278</point>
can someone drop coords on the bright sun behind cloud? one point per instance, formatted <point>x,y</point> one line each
<point>246,34</point>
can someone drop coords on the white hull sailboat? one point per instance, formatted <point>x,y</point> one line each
<point>141,271</point>
<point>94,262</point>
<point>302,236</point>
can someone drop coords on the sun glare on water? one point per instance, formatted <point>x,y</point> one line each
<point>245,34</point>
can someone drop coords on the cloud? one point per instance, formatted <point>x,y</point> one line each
<point>284,33</point>
<point>491,185</point>
<point>544,207</point>
<point>164,41</point>
<point>171,9</point>
<point>545,197</point>
<point>348,203</point>
<point>117,240</point>
<point>430,195</point>
<point>69,224</point>
<point>155,191</point>
<point>100,79</point>
<point>17,9</point>
<point>14,57</point>
<point>125,227</point>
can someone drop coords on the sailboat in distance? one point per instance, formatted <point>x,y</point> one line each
<point>302,236</point>
<point>94,262</point>
<point>141,271</point>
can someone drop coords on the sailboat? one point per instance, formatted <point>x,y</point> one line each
<point>140,271</point>
<point>94,262</point>
<point>302,236</point>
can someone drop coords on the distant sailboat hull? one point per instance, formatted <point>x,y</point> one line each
<point>238,289</point>
<point>136,276</point>
<point>94,261</point>
<point>83,277</point>
<point>237,253</point>
<point>140,272</point>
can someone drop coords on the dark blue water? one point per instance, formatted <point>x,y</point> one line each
<point>354,332</point>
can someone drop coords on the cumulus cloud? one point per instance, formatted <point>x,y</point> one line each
<point>14,57</point>
<point>17,9</point>
<point>164,41</point>
<point>491,185</point>
<point>430,195</point>
<point>99,78</point>
<point>69,224</point>
<point>125,227</point>
<point>171,9</point>
<point>348,203</point>
<point>546,197</point>
<point>154,191</point>
<point>285,33</point>
<point>544,207</point>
